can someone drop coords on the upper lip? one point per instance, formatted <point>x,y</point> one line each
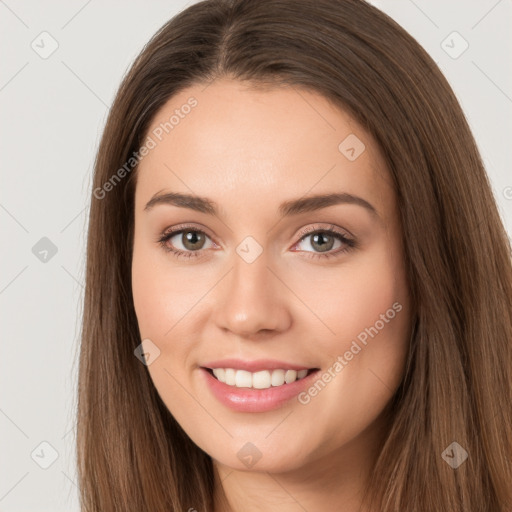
<point>254,366</point>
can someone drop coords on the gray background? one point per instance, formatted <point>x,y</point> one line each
<point>53,112</point>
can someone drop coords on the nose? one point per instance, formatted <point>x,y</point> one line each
<point>252,300</point>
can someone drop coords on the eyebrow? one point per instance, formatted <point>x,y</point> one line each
<point>286,209</point>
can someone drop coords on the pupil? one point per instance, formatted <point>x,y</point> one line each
<point>191,239</point>
<point>319,238</point>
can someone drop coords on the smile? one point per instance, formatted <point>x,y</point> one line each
<point>255,386</point>
<point>263,379</point>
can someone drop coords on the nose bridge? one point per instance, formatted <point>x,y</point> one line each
<point>251,297</point>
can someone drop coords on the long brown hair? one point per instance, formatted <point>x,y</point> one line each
<point>457,387</point>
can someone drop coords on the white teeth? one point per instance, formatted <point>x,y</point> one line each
<point>263,379</point>
<point>243,379</point>
<point>277,377</point>
<point>290,376</point>
<point>220,373</point>
<point>230,376</point>
<point>301,374</point>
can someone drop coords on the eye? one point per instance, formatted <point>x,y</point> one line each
<point>324,240</point>
<point>192,241</point>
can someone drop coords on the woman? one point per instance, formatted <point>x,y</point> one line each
<point>298,291</point>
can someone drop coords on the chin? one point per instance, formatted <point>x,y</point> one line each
<point>250,457</point>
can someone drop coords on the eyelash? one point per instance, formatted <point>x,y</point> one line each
<point>178,253</point>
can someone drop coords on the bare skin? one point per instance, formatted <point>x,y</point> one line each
<point>249,151</point>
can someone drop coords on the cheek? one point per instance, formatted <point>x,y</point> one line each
<point>161,298</point>
<point>161,302</point>
<point>150,305</point>
<point>366,308</point>
<point>168,308</point>
<point>355,297</point>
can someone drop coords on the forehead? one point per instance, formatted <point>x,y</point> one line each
<point>227,140</point>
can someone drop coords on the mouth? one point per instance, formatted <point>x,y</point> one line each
<point>263,379</point>
<point>259,386</point>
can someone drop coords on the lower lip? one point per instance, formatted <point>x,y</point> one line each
<point>256,400</point>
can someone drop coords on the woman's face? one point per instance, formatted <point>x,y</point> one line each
<point>262,292</point>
